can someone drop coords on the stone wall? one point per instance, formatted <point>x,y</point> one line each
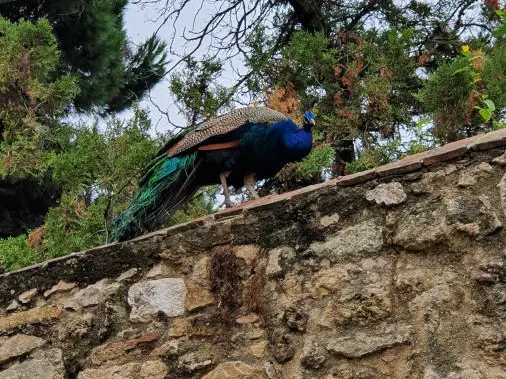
<point>398,272</point>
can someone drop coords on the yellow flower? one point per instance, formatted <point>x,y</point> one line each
<point>465,48</point>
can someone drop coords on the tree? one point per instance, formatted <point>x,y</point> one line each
<point>95,172</point>
<point>456,92</point>
<point>359,62</point>
<point>94,48</point>
<point>72,179</point>
<point>32,98</point>
<point>385,78</point>
<point>198,96</point>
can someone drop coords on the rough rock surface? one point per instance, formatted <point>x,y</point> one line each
<point>126,371</point>
<point>502,192</point>
<point>366,237</point>
<point>313,355</point>
<point>62,286</point>
<point>33,369</point>
<point>27,296</point>
<point>92,295</point>
<point>359,344</point>
<point>236,370</point>
<point>163,295</point>
<point>18,345</point>
<point>387,194</point>
<point>44,365</point>
<point>395,273</point>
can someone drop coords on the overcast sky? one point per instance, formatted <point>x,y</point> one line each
<point>140,24</point>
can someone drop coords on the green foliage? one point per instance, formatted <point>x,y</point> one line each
<point>494,75</point>
<point>73,226</point>
<point>392,90</point>
<point>100,57</point>
<point>423,138</point>
<point>316,164</point>
<point>92,168</point>
<point>312,169</point>
<point>96,171</point>
<point>197,95</point>
<point>15,252</point>
<point>32,96</point>
<point>501,30</point>
<point>487,111</point>
<point>375,156</point>
<point>104,159</point>
<point>202,204</point>
<point>94,49</point>
<point>261,54</point>
<point>361,92</point>
<point>445,96</point>
<point>143,70</point>
<point>307,60</point>
<point>465,94</point>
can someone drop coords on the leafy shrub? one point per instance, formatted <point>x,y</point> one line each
<point>16,252</point>
<point>310,170</point>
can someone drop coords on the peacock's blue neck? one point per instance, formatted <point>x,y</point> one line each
<point>265,150</point>
<point>297,143</point>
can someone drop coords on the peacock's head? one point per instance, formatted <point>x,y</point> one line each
<point>309,120</point>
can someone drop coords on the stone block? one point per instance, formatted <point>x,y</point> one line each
<point>313,354</point>
<point>163,295</point>
<point>46,365</point>
<point>198,297</point>
<point>247,252</point>
<point>126,371</point>
<point>62,286</point>
<point>387,194</point>
<point>153,370</point>
<point>18,345</point>
<point>502,193</point>
<point>357,178</point>
<point>279,258</point>
<point>490,140</point>
<point>93,294</point>
<point>31,316</point>
<point>361,344</point>
<point>329,220</point>
<point>236,370</point>
<point>258,349</point>
<point>27,296</point>
<point>365,237</point>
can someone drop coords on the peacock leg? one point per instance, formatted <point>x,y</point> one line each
<point>249,183</point>
<point>223,179</point>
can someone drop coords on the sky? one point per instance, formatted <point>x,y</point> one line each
<point>140,24</point>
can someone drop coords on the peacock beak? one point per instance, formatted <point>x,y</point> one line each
<point>309,122</point>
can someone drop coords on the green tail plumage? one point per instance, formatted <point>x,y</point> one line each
<point>165,184</point>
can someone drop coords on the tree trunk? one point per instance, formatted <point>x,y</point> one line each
<point>345,153</point>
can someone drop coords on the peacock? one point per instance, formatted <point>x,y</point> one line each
<point>234,149</point>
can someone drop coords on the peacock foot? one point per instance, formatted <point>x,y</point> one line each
<point>249,183</point>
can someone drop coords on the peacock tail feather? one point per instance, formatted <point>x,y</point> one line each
<point>165,184</point>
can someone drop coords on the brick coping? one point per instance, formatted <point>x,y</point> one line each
<point>453,150</point>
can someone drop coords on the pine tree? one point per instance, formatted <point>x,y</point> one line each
<point>33,96</point>
<point>93,42</point>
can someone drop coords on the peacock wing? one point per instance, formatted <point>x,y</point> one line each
<point>222,125</point>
